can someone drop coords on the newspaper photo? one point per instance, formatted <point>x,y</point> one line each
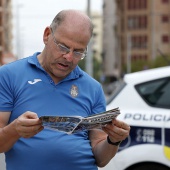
<point>74,124</point>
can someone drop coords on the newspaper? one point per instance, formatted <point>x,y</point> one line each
<point>74,124</point>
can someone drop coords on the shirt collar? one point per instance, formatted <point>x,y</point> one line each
<point>76,73</point>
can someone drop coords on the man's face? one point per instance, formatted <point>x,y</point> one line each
<point>57,64</point>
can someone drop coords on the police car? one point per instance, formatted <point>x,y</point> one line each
<point>144,102</point>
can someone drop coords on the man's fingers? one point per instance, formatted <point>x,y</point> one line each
<point>28,119</point>
<point>121,124</point>
<point>28,124</point>
<point>30,115</point>
<point>117,130</point>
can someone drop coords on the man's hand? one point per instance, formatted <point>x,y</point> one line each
<point>28,124</point>
<point>117,130</point>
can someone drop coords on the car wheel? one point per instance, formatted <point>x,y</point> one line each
<point>149,166</point>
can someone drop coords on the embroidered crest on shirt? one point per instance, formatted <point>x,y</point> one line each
<point>74,91</point>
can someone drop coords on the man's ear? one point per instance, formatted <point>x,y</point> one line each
<point>46,35</point>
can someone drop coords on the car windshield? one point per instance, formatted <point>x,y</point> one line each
<point>155,93</point>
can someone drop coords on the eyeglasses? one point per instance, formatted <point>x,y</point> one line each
<point>64,50</point>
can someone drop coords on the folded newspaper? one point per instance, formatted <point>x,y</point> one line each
<point>74,124</point>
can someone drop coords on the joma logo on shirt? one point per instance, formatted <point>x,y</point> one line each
<point>35,81</point>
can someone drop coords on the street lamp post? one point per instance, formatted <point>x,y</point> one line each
<point>129,46</point>
<point>89,59</point>
<point>18,44</point>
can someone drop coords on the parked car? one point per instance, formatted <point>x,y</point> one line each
<point>144,102</point>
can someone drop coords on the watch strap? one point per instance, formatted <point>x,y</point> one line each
<point>112,143</point>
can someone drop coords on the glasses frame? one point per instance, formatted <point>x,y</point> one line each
<point>64,50</point>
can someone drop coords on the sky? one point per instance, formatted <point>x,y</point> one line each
<point>30,17</point>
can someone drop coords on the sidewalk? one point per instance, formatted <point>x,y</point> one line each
<point>2,162</point>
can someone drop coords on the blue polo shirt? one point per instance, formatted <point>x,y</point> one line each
<point>25,86</point>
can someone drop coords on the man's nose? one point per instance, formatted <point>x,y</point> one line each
<point>69,56</point>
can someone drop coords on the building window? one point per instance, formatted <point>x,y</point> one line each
<point>165,18</point>
<point>137,22</point>
<point>165,39</point>
<point>134,58</point>
<point>139,42</point>
<point>165,1</point>
<point>0,3</point>
<point>122,25</point>
<point>131,22</point>
<point>144,41</point>
<point>133,41</point>
<point>138,57</point>
<point>136,4</point>
<point>1,24</point>
<point>145,57</point>
<point>142,21</point>
<point>130,4</point>
<point>0,40</point>
<point>143,4</point>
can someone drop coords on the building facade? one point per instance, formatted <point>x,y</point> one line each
<point>143,29</point>
<point>134,30</point>
<point>97,34</point>
<point>5,32</point>
<point>111,59</point>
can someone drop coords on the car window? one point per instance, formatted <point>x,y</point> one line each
<point>117,89</point>
<point>156,93</point>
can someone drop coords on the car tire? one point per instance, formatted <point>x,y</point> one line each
<point>149,166</point>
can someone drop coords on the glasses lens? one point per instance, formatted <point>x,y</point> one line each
<point>84,55</point>
<point>63,49</point>
<point>80,55</point>
<point>77,55</point>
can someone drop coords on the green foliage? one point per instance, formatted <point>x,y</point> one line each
<point>96,68</point>
<point>160,61</point>
<point>82,64</point>
<point>139,65</point>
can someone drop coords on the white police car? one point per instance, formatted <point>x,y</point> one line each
<point>144,102</point>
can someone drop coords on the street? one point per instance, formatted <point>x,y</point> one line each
<point>2,162</point>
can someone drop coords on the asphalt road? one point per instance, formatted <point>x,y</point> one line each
<point>2,162</point>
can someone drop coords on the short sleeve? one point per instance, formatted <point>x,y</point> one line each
<point>100,101</point>
<point>6,97</point>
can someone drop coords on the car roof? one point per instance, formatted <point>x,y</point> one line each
<point>147,75</point>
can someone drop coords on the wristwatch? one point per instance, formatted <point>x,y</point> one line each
<point>113,143</point>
